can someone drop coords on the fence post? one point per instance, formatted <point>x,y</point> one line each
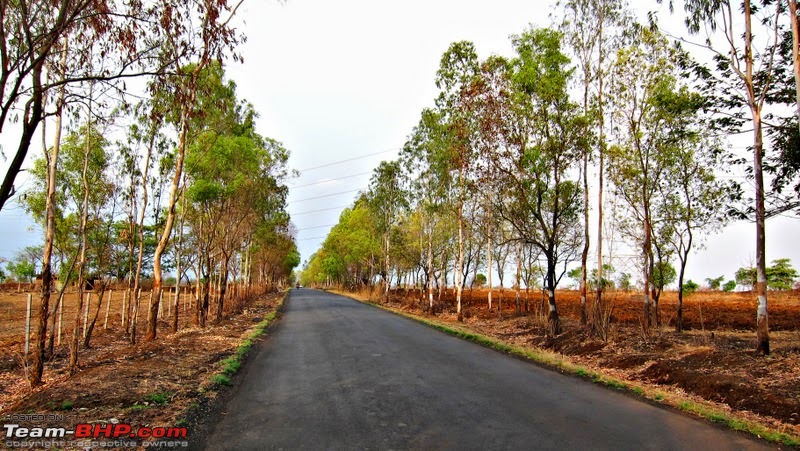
<point>28,325</point>
<point>60,318</point>
<point>149,305</point>
<point>124,313</point>
<point>108,307</point>
<point>86,313</point>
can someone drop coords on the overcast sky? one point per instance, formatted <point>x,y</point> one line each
<point>347,79</point>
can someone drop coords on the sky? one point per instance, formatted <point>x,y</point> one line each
<point>342,83</point>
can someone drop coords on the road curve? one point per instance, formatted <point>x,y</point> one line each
<point>338,374</point>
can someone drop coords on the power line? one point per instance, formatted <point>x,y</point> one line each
<point>348,159</point>
<point>324,195</point>
<point>316,227</point>
<point>317,211</point>
<point>330,180</point>
<point>313,238</point>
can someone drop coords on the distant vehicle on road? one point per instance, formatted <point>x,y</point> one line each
<point>297,286</point>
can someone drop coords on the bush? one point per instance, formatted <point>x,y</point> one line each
<point>690,287</point>
<point>729,286</point>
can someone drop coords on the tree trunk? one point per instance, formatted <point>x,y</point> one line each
<point>73,349</point>
<point>795,53</point>
<point>88,334</point>
<point>489,254</point>
<point>646,276</point>
<point>599,308</point>
<point>388,278</point>
<point>140,257</point>
<point>553,319</point>
<point>585,252</point>
<point>223,287</point>
<point>430,270</point>
<point>519,278</point>
<point>37,364</point>
<point>762,326</point>
<point>459,271</point>
<point>173,200</point>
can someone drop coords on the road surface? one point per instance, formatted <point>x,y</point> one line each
<point>338,374</point>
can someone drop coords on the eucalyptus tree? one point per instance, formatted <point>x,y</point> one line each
<point>745,76</point>
<point>77,212</point>
<point>235,178</point>
<point>388,200</point>
<point>593,32</point>
<point>645,84</point>
<point>190,50</point>
<point>458,69</point>
<point>347,255</point>
<point>429,188</point>
<point>692,200</point>
<point>130,36</point>
<point>545,137</point>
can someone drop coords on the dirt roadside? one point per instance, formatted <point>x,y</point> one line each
<point>171,382</point>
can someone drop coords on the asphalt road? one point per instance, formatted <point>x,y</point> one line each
<point>338,374</point>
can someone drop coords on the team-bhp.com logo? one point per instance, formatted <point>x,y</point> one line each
<point>120,435</point>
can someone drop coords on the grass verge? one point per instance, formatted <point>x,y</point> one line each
<point>562,364</point>
<point>231,365</point>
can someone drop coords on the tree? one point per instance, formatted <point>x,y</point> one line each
<point>781,275</point>
<point>624,282</point>
<point>729,286</point>
<point>546,137</point>
<point>746,277</point>
<point>128,36</point>
<point>690,287</point>
<point>22,270</point>
<point>212,42</point>
<point>715,283</point>
<point>593,29</point>
<point>636,165</point>
<point>657,116</point>
<point>690,200</point>
<point>663,274</point>
<point>745,85</point>
<point>387,198</point>
<point>458,70</point>
<point>234,181</point>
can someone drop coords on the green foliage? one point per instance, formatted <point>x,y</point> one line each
<point>231,365</point>
<point>346,255</point>
<point>746,277</point>
<point>624,282</point>
<point>67,404</point>
<point>159,398</point>
<point>780,276</point>
<point>608,282</point>
<point>220,379</point>
<point>21,271</point>
<point>664,274</point>
<point>480,280</point>
<point>690,287</point>
<point>715,283</point>
<point>137,407</point>
<point>729,286</point>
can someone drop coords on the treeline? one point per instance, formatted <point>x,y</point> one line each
<point>153,166</point>
<point>500,171</point>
